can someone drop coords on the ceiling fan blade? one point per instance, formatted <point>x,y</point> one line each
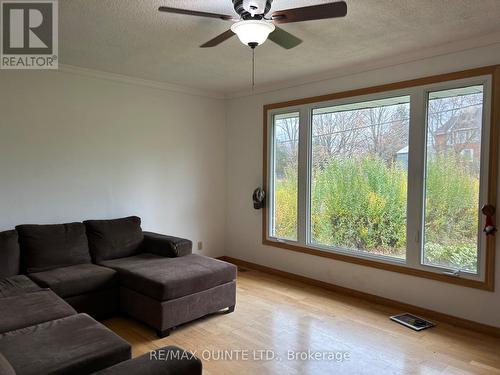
<point>196,13</point>
<point>218,39</point>
<point>315,12</point>
<point>284,38</point>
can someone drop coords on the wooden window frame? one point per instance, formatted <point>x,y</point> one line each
<point>489,265</point>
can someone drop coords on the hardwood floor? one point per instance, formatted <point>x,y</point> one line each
<point>281,315</point>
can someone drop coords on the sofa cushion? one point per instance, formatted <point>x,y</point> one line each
<point>45,247</point>
<point>5,367</point>
<point>9,254</point>
<point>111,239</point>
<point>73,345</point>
<point>167,360</point>
<point>99,304</point>
<point>16,285</point>
<point>168,278</point>
<point>75,280</point>
<point>32,308</point>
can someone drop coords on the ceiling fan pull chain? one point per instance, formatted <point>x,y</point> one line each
<point>253,69</point>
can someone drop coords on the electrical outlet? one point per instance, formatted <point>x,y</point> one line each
<point>200,245</point>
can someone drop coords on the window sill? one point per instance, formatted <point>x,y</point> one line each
<point>487,285</point>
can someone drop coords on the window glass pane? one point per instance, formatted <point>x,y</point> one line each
<point>454,124</point>
<point>359,176</point>
<point>285,174</point>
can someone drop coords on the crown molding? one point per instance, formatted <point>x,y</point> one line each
<point>386,62</point>
<point>130,80</point>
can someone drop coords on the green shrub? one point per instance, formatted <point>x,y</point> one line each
<point>360,203</point>
<point>451,201</point>
<point>285,212</point>
<point>451,215</point>
<point>464,255</point>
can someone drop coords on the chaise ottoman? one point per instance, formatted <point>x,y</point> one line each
<point>166,292</point>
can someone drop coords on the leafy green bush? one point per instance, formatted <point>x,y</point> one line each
<point>361,203</point>
<point>463,255</point>
<point>451,215</point>
<point>285,212</point>
<point>451,201</point>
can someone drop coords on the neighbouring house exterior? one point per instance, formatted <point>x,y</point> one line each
<point>461,133</point>
<point>402,157</point>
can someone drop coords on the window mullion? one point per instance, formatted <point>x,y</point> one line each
<point>270,175</point>
<point>303,175</point>
<point>416,165</point>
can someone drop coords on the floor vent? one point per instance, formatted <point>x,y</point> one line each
<point>412,321</point>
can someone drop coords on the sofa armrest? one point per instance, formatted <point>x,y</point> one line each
<point>165,361</point>
<point>167,246</point>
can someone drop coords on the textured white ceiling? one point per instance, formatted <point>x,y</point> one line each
<point>131,37</point>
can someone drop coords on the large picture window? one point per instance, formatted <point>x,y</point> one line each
<point>359,176</point>
<point>393,178</point>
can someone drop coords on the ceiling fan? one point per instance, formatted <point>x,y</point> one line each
<point>253,26</point>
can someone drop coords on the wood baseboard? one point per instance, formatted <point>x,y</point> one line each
<point>426,313</point>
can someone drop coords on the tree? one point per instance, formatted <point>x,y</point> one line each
<point>287,144</point>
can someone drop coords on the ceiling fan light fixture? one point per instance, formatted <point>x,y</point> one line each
<point>253,32</point>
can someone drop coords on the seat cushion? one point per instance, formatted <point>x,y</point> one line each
<point>16,285</point>
<point>111,239</point>
<point>9,254</point>
<point>76,280</point>
<point>100,304</point>
<point>45,247</point>
<point>167,360</point>
<point>32,308</point>
<point>73,345</point>
<point>168,278</point>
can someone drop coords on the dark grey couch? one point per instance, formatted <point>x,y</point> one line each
<point>101,267</point>
<point>152,277</point>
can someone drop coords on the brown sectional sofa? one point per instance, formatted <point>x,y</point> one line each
<point>53,277</point>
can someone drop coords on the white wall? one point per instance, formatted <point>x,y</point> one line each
<point>74,147</point>
<point>244,173</point>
